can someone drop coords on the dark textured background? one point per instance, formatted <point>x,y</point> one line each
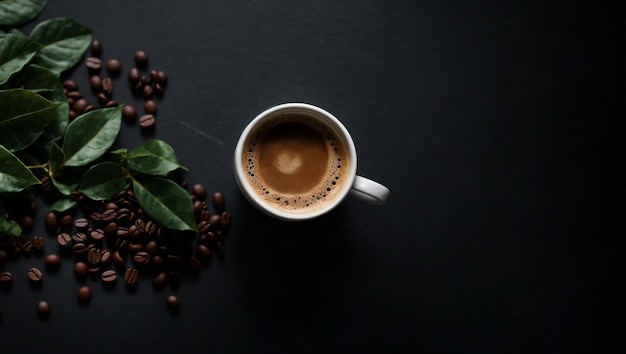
<point>494,125</point>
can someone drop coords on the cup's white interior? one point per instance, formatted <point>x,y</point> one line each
<point>295,108</point>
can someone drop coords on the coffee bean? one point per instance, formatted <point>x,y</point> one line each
<point>109,276</point>
<point>93,64</point>
<point>203,252</point>
<point>38,243</point>
<point>64,239</point>
<point>95,216</point>
<point>70,85</point>
<point>131,276</point>
<point>79,237</point>
<point>147,91</point>
<point>107,85</point>
<point>52,261</point>
<point>219,202</point>
<point>152,247</point>
<point>96,235</point>
<point>110,229</point>
<point>194,263</point>
<point>95,81</point>
<point>157,261</point>
<point>43,309</point>
<point>80,105</point>
<point>6,277</point>
<point>94,256</point>
<point>96,48</point>
<point>141,58</point>
<point>173,261</point>
<point>135,247</point>
<point>203,226</point>
<point>27,247</point>
<point>133,76</point>
<point>161,78</point>
<point>26,222</point>
<point>225,219</point>
<point>215,221</point>
<point>66,222</point>
<point>113,66</point>
<point>141,258</point>
<point>173,303</point>
<point>147,121</point>
<point>199,191</point>
<point>151,228</point>
<point>51,221</point>
<point>79,249</point>
<point>73,114</point>
<point>150,106</point>
<point>111,103</point>
<point>106,257</point>
<point>118,259</point>
<point>34,274</point>
<point>3,256</point>
<point>81,269</point>
<point>74,95</point>
<point>160,280</point>
<point>84,294</point>
<point>109,215</point>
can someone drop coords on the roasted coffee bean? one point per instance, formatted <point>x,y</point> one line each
<point>3,256</point>
<point>199,191</point>
<point>106,257</point>
<point>141,258</point>
<point>111,103</point>
<point>203,252</point>
<point>6,277</point>
<point>96,49</point>
<point>80,105</point>
<point>129,113</point>
<point>95,216</point>
<point>157,261</point>
<point>27,247</point>
<point>113,66</point>
<point>70,85</point>
<point>147,121</point>
<point>109,215</point>
<point>140,225</point>
<point>109,276</point>
<point>134,232</point>
<point>94,255</point>
<point>160,280</point>
<point>133,76</point>
<point>79,249</point>
<point>118,259</point>
<point>131,276</point>
<point>154,76</point>
<point>73,114</point>
<point>96,235</point>
<point>26,222</point>
<point>173,303</point>
<point>107,85</point>
<point>147,92</point>
<point>110,229</point>
<point>135,247</point>
<point>84,294</point>
<point>194,263</point>
<point>225,219</point>
<point>52,261</point>
<point>161,78</point>
<point>93,64</point>
<point>43,309</point>
<point>94,270</point>
<point>151,228</point>
<point>66,222</point>
<point>150,106</point>
<point>137,88</point>
<point>141,58</point>
<point>38,243</point>
<point>219,202</point>
<point>203,226</point>
<point>95,81</point>
<point>215,221</point>
<point>64,239</point>
<point>89,108</point>
<point>152,247</point>
<point>122,232</point>
<point>34,274</point>
<point>198,207</point>
<point>81,269</point>
<point>51,221</point>
<point>173,261</point>
<point>159,89</point>
<point>79,237</point>
<point>205,215</point>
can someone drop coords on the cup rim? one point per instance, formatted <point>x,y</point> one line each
<point>318,113</point>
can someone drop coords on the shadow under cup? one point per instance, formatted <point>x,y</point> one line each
<point>278,147</point>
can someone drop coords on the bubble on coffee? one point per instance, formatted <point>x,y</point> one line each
<point>295,163</point>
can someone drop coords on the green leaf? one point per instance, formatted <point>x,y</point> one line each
<point>15,52</point>
<point>65,181</point>
<point>63,205</point>
<point>166,202</point>
<point>10,228</point>
<point>103,180</point>
<point>39,79</point>
<point>14,176</point>
<point>25,115</point>
<point>155,157</point>
<point>90,135</point>
<point>64,43</point>
<point>17,12</point>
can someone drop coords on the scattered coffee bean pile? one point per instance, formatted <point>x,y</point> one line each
<point>143,82</point>
<point>116,239</point>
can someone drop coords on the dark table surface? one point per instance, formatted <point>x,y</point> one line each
<point>494,125</point>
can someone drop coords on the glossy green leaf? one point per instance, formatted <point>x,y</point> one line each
<point>64,43</point>
<point>63,205</point>
<point>65,181</point>
<point>46,83</point>
<point>10,228</point>
<point>155,157</point>
<point>24,116</point>
<point>14,175</point>
<point>102,181</point>
<point>15,52</point>
<point>166,202</point>
<point>90,135</point>
<point>17,12</point>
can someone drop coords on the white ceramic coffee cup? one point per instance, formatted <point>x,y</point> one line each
<point>354,185</point>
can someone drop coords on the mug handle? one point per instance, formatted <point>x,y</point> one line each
<point>369,191</point>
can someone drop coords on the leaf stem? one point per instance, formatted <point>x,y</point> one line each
<point>42,167</point>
